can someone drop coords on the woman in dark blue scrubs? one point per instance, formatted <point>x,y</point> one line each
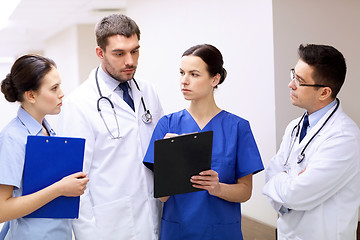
<point>216,212</point>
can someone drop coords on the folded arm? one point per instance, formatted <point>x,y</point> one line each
<point>329,170</point>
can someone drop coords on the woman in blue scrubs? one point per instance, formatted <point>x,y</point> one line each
<point>34,82</point>
<point>214,213</point>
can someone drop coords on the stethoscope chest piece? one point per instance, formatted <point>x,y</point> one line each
<point>300,158</point>
<point>147,117</point>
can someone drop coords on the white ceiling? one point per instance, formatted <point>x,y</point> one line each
<point>34,21</point>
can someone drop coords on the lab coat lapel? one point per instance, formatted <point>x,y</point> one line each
<point>115,98</point>
<point>120,103</point>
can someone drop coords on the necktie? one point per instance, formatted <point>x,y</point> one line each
<point>304,127</point>
<point>126,96</point>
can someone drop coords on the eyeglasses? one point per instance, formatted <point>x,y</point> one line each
<point>294,77</point>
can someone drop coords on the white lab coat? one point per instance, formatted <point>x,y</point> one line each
<point>325,198</point>
<point>118,203</point>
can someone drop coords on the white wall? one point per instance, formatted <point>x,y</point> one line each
<point>63,49</point>
<point>73,50</point>
<point>86,42</point>
<point>242,30</point>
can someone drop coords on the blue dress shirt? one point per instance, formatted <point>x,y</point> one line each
<point>316,116</point>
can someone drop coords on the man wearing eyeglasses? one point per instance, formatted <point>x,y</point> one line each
<point>313,181</point>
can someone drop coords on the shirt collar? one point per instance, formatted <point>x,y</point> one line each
<point>48,128</point>
<point>32,125</point>
<point>110,82</point>
<point>316,116</point>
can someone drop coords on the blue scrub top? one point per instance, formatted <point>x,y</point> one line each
<point>199,215</point>
<point>12,155</point>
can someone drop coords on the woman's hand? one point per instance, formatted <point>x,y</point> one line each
<point>15,207</point>
<point>237,192</point>
<point>207,180</point>
<point>73,185</point>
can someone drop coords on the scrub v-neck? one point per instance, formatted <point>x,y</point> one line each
<point>197,125</point>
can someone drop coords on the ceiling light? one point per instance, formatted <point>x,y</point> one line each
<point>107,11</point>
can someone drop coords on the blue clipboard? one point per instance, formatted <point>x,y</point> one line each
<point>47,160</point>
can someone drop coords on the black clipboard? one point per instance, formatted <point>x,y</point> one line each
<point>179,158</point>
<point>47,160</point>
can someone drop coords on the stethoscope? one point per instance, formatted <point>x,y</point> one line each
<point>296,130</point>
<point>146,117</point>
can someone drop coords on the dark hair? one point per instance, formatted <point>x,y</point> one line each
<point>211,56</point>
<point>25,75</point>
<point>115,24</point>
<point>328,63</point>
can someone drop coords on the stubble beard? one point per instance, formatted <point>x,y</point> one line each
<point>117,75</point>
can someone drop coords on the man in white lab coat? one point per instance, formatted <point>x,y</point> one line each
<point>313,182</point>
<point>115,119</point>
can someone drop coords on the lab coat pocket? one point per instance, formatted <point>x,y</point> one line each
<point>114,220</point>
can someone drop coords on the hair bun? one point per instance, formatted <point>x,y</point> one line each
<point>223,76</point>
<point>8,89</point>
